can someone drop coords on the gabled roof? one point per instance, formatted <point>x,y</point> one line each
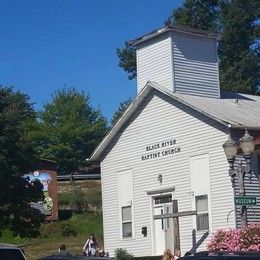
<point>235,109</point>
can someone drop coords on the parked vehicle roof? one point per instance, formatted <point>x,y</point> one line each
<point>11,252</point>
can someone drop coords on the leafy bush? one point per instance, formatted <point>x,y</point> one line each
<point>122,254</point>
<point>68,230</point>
<point>51,229</point>
<point>246,239</point>
<point>58,229</point>
<point>94,198</point>
<point>7,236</point>
<point>81,201</point>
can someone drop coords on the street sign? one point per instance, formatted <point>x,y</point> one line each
<point>245,200</point>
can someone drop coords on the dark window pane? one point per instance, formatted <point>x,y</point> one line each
<point>203,221</point>
<point>126,214</point>
<point>202,203</point>
<point>163,199</point>
<point>127,229</point>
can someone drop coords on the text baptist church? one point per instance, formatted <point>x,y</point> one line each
<point>165,157</point>
<point>161,149</point>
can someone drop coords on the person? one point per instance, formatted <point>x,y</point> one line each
<point>100,252</point>
<point>62,250</point>
<point>177,254</point>
<point>167,255</point>
<point>90,246</point>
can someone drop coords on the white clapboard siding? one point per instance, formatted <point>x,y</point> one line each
<point>195,65</point>
<point>160,119</point>
<point>182,63</point>
<point>154,63</point>
<point>252,188</point>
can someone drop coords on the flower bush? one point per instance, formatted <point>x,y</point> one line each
<point>245,239</point>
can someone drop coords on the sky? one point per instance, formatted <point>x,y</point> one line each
<point>48,44</point>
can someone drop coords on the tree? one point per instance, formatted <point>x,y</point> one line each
<point>239,47</point>
<point>238,22</point>
<point>17,158</point>
<point>127,59</point>
<point>199,14</point>
<point>68,130</point>
<point>122,108</point>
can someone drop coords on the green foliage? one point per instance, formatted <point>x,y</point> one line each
<point>122,254</point>
<point>122,108</point>
<point>52,236</point>
<point>17,158</point>
<point>7,236</point>
<point>68,230</point>
<point>68,130</point>
<point>239,49</point>
<point>58,229</point>
<point>79,200</point>
<point>196,14</point>
<point>78,224</point>
<point>127,59</point>
<point>199,14</point>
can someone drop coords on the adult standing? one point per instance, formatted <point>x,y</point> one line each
<point>90,246</point>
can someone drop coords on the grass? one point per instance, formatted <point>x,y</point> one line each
<point>52,236</point>
<point>83,201</point>
<point>43,247</point>
<point>72,229</point>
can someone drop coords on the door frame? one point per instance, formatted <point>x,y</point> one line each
<point>153,194</point>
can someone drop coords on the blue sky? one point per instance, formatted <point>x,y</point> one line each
<point>46,44</point>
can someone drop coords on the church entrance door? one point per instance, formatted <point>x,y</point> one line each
<point>163,228</point>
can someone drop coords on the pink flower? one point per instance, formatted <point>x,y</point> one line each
<point>246,239</point>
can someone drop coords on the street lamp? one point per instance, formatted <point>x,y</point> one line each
<point>230,147</point>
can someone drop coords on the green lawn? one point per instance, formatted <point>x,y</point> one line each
<point>72,232</point>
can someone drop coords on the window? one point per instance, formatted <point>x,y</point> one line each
<point>127,221</point>
<point>163,199</point>
<point>202,217</point>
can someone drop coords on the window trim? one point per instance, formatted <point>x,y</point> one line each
<point>125,204</point>
<point>127,222</point>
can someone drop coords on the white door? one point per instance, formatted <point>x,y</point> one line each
<point>159,231</point>
<point>163,228</point>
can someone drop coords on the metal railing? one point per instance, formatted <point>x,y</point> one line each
<point>78,177</point>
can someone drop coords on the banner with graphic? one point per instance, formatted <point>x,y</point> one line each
<point>49,181</point>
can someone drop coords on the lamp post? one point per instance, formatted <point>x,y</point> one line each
<point>230,147</point>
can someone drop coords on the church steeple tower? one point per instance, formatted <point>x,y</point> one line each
<point>181,59</point>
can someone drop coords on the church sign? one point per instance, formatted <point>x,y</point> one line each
<point>160,149</point>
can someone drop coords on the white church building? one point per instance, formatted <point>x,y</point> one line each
<point>165,153</point>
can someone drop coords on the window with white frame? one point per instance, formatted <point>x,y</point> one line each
<point>127,221</point>
<point>202,218</point>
